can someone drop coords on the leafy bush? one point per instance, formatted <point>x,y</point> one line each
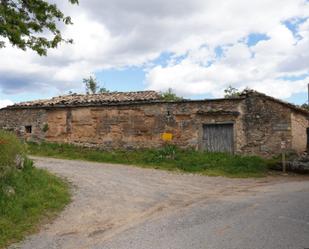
<point>45,128</point>
<point>169,95</point>
<point>11,151</point>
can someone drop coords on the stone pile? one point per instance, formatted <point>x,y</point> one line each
<point>300,164</point>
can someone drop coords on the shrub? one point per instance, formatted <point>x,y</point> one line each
<point>169,95</point>
<point>45,128</point>
<point>11,151</point>
<point>166,153</point>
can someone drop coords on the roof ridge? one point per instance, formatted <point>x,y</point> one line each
<point>75,99</point>
<point>107,93</point>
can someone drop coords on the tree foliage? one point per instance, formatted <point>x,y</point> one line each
<point>231,92</point>
<point>305,106</point>
<point>169,95</point>
<point>92,86</point>
<point>32,24</point>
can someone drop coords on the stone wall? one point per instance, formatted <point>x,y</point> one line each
<point>266,123</point>
<point>141,126</point>
<point>58,125</point>
<point>299,125</point>
<point>260,124</point>
<point>18,120</point>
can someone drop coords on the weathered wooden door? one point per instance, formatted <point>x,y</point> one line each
<point>218,138</point>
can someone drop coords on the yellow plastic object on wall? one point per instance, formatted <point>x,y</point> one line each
<point>167,136</point>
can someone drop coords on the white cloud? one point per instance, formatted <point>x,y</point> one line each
<point>266,66</point>
<point>5,102</point>
<point>120,33</point>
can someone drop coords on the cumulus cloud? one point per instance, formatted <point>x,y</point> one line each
<point>5,102</point>
<point>207,41</point>
<point>265,67</point>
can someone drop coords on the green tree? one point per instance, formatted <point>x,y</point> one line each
<point>25,23</point>
<point>92,86</point>
<point>305,106</point>
<point>103,90</point>
<point>170,95</point>
<point>231,92</point>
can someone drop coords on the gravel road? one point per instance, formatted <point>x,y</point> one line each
<point>118,206</point>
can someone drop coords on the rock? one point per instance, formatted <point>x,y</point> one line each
<point>19,161</point>
<point>299,164</point>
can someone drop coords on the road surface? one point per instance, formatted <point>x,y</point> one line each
<point>125,207</point>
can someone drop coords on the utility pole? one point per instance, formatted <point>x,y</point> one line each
<point>283,158</point>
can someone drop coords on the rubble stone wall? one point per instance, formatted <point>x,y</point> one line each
<point>142,126</point>
<point>17,121</point>
<point>267,124</point>
<point>260,124</point>
<point>299,132</point>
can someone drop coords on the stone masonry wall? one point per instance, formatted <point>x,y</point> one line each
<point>142,126</point>
<point>267,123</point>
<point>260,124</point>
<point>299,132</point>
<point>17,120</point>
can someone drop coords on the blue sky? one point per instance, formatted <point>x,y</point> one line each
<point>133,78</point>
<point>133,46</point>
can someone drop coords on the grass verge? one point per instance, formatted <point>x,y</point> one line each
<point>167,158</point>
<point>27,198</point>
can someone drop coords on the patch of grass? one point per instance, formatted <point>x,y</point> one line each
<point>167,158</point>
<point>11,151</point>
<point>28,197</point>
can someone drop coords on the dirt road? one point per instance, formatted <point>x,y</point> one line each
<point>111,199</point>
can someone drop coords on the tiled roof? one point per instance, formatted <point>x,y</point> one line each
<point>131,97</point>
<point>90,99</point>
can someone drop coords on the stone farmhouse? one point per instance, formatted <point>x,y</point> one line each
<point>252,123</point>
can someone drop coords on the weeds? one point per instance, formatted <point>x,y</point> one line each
<point>26,197</point>
<point>11,149</point>
<point>167,158</point>
<point>27,194</point>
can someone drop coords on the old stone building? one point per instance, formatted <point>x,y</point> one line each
<point>250,124</point>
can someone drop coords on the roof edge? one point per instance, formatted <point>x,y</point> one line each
<point>122,103</point>
<point>249,93</point>
<point>245,94</point>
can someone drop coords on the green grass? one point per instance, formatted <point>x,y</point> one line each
<point>38,197</point>
<point>10,149</point>
<point>167,158</point>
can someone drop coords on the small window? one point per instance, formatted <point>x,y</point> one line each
<point>28,129</point>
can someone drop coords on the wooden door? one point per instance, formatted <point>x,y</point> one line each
<point>218,138</point>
